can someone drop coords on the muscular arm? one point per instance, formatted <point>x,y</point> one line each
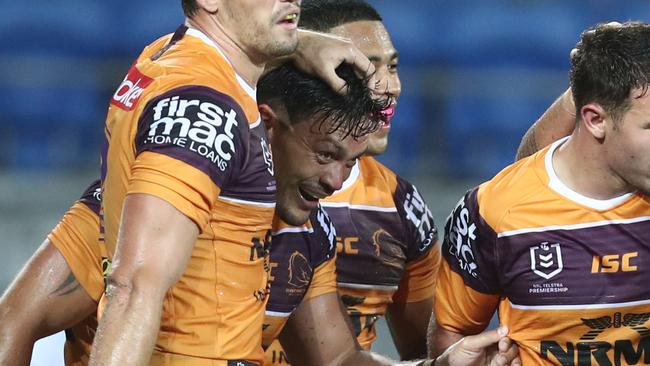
<point>440,339</point>
<point>319,333</point>
<point>408,326</point>
<point>154,246</point>
<point>45,298</point>
<point>558,121</point>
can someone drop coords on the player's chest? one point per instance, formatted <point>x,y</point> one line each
<point>370,246</point>
<point>605,264</point>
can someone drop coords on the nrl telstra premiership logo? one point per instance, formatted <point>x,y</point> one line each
<point>546,260</point>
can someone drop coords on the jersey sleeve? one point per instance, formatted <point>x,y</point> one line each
<point>190,142</point>
<point>420,232</point>
<point>419,279</point>
<point>467,288</point>
<point>76,237</point>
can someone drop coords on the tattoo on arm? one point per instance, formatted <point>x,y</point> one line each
<point>67,286</point>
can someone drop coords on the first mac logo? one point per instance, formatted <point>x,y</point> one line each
<point>127,94</point>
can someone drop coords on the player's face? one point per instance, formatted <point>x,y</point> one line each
<point>264,29</point>
<point>310,165</point>
<point>372,38</point>
<point>627,145</point>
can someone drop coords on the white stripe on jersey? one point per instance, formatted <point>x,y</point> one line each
<point>580,307</point>
<point>358,207</point>
<point>367,287</point>
<point>249,203</point>
<point>301,229</point>
<point>277,314</point>
<point>574,226</point>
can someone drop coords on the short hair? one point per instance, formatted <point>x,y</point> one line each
<point>323,15</point>
<point>190,7</point>
<point>308,98</point>
<point>610,62</point>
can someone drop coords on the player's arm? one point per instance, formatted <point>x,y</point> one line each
<point>318,334</point>
<point>556,122</point>
<point>467,287</point>
<point>320,54</point>
<point>408,316</point>
<point>154,246</point>
<point>58,287</point>
<point>408,327</point>
<point>45,298</point>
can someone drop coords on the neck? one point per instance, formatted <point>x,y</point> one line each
<point>249,67</point>
<point>579,164</point>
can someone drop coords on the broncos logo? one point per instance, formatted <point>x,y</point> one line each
<point>598,325</point>
<point>299,270</point>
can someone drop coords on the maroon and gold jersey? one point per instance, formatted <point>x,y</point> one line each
<point>76,238</point>
<point>184,126</point>
<point>567,273</point>
<point>302,261</point>
<point>386,241</point>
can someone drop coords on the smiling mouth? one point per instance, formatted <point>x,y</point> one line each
<point>290,18</point>
<point>306,196</point>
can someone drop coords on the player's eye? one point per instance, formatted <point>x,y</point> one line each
<point>392,67</point>
<point>325,157</point>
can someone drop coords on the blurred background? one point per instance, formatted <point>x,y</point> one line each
<point>475,74</point>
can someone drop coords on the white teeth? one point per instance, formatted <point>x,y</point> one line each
<point>291,17</point>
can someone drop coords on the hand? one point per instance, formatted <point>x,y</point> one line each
<point>490,348</point>
<point>319,54</point>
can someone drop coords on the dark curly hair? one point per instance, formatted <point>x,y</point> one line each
<point>610,62</point>
<point>307,98</point>
<point>323,15</point>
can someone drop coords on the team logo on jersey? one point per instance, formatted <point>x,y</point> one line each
<point>461,236</point>
<point>127,94</point>
<point>266,154</point>
<point>202,126</point>
<point>97,194</point>
<point>418,213</point>
<point>300,271</point>
<point>546,260</point>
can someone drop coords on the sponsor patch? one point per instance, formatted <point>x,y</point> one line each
<point>462,237</point>
<point>196,125</point>
<point>127,94</point>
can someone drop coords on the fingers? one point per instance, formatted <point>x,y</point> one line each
<point>480,341</point>
<point>508,353</point>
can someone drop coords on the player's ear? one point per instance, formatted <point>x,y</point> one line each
<point>594,119</point>
<point>269,118</point>
<point>211,6</point>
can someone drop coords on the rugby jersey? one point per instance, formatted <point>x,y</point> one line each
<point>302,261</point>
<point>76,238</point>
<point>567,273</point>
<point>184,126</point>
<point>386,247</point>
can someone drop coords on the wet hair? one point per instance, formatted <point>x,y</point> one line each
<point>323,15</point>
<point>190,7</point>
<point>307,98</point>
<point>610,62</point>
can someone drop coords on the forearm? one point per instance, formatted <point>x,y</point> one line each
<point>128,329</point>
<point>440,339</point>
<point>365,358</point>
<point>556,122</point>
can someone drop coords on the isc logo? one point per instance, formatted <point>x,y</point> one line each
<point>345,245</point>
<point>614,263</point>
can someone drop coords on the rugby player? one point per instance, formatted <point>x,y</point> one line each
<point>303,280</point>
<point>189,186</point>
<point>558,241</point>
<point>388,257</point>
